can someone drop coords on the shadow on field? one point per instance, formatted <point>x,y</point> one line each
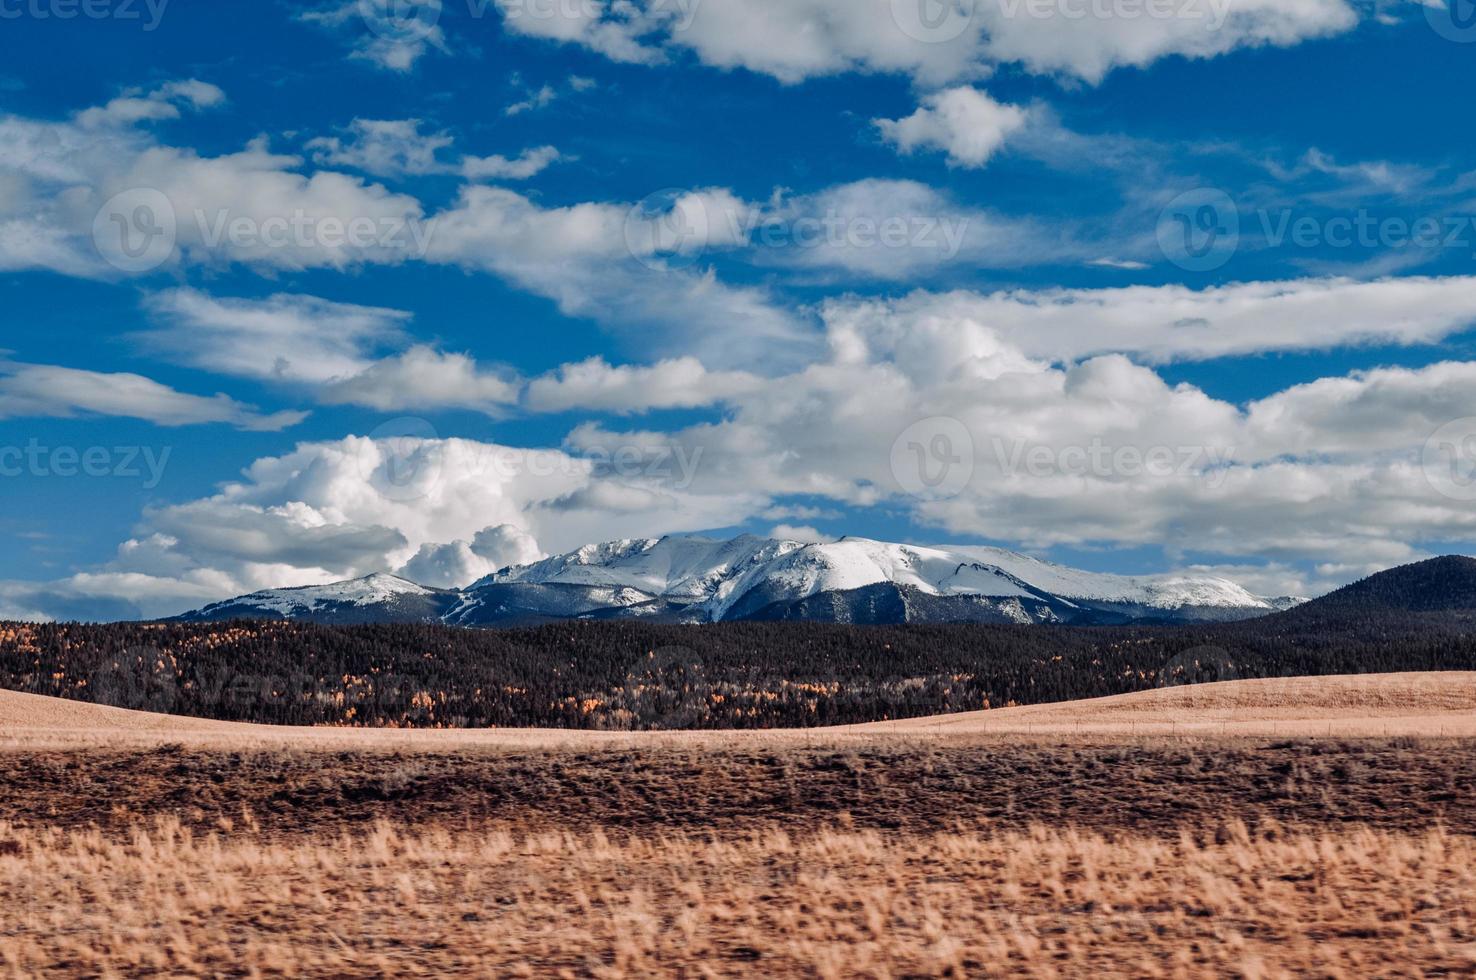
<point>1157,788</point>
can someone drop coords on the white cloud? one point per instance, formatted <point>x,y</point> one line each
<point>802,533</point>
<point>1100,452</point>
<point>963,122</point>
<point>598,261</point>
<point>340,351</point>
<point>246,207</point>
<point>383,147</point>
<point>529,164</point>
<point>163,102</point>
<point>1365,412</point>
<point>48,391</point>
<point>797,39</point>
<point>594,385</point>
<point>460,563</point>
<point>424,379</point>
<point>536,100</point>
<point>1097,452</point>
<point>284,337</point>
<point>1168,323</point>
<point>899,230</point>
<point>394,39</point>
<point>333,510</point>
<point>1062,42</point>
<point>397,147</point>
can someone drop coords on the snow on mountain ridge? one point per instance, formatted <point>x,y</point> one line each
<point>367,591</point>
<point>694,580</point>
<point>716,574</point>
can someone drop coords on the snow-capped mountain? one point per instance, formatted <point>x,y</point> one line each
<point>701,580</point>
<point>375,599</point>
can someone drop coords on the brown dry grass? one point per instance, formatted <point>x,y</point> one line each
<point>906,786</point>
<point>395,901</point>
<point>1121,838</point>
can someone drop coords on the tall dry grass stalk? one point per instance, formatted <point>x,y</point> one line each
<point>396,901</point>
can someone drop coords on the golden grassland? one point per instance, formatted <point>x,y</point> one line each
<point>1431,704</point>
<point>1065,841</point>
<point>393,900</point>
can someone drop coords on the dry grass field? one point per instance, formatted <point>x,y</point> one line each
<point>390,900</point>
<point>1239,830</point>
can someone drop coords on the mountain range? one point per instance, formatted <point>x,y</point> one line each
<point>748,578</point>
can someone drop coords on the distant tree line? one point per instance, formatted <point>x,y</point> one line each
<point>629,676</point>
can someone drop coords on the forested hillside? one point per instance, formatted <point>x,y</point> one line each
<point>627,675</point>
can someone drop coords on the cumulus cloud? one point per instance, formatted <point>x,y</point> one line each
<point>594,385</point>
<point>1099,451</point>
<point>460,563</point>
<point>963,122</point>
<point>447,509</point>
<point>1014,447</point>
<point>48,391</point>
<point>797,39</point>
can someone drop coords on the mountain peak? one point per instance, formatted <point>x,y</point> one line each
<point>1437,585</point>
<point>681,578</point>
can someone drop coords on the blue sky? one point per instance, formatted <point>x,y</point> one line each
<point>807,268</point>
